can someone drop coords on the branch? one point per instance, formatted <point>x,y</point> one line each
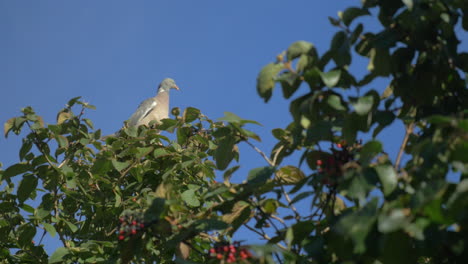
<point>409,131</point>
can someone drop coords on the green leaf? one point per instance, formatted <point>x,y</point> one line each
<point>331,78</point>
<point>392,221</point>
<point>335,102</point>
<point>190,197</point>
<point>233,118</point>
<point>72,227</point>
<point>119,166</point>
<point>388,178</point>
<point>351,13</point>
<point>228,173</point>
<point>369,151</point>
<point>62,141</point>
<point>260,175</point>
<point>408,3</point>
<point>299,48</point>
<point>205,225</point>
<point>50,229</point>
<point>57,256</point>
<point>191,114</point>
<point>16,169</point>
<point>357,225</point>
<point>63,116</point>
<point>26,187</point>
<point>225,152</point>
<point>25,148</point>
<point>266,79</point>
<point>290,175</point>
<point>73,101</point>
<point>26,233</point>
<point>363,105</point>
<point>380,62</point>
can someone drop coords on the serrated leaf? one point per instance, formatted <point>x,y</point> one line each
<point>331,78</point>
<point>190,198</point>
<point>266,79</point>
<point>388,178</point>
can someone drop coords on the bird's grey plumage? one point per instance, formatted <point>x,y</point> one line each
<point>155,108</point>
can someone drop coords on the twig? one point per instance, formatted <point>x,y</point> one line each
<point>409,131</point>
<point>265,236</point>
<point>261,153</point>
<point>272,163</point>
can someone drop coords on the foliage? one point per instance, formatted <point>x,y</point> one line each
<point>141,197</point>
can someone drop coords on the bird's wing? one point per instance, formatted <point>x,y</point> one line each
<point>143,110</point>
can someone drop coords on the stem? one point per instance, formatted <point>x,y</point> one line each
<point>265,236</point>
<point>271,163</point>
<point>408,132</point>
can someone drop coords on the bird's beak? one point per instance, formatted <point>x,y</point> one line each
<point>176,87</point>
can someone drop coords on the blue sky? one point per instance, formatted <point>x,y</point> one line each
<point>115,53</point>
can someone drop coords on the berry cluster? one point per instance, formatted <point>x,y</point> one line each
<point>331,165</point>
<point>230,253</point>
<point>129,225</point>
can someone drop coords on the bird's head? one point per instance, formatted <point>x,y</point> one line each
<point>167,84</point>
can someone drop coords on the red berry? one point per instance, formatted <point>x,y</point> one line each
<point>219,256</point>
<point>225,248</point>
<point>122,232</point>
<point>339,145</point>
<point>121,219</point>
<point>134,222</point>
<point>121,237</point>
<point>232,249</point>
<point>212,250</point>
<point>134,231</point>
<point>142,225</point>
<point>319,162</point>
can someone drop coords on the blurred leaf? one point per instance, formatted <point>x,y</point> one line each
<point>290,175</point>
<point>190,198</point>
<point>63,116</point>
<point>266,80</point>
<point>233,118</point>
<point>236,212</point>
<point>191,114</point>
<point>388,178</point>
<point>380,62</point>
<point>269,206</point>
<point>62,141</point>
<point>224,153</point>
<point>8,126</point>
<point>27,185</point>
<point>50,229</point>
<point>392,221</point>
<point>335,102</point>
<point>330,78</point>
<point>351,13</point>
<point>16,169</point>
<point>357,225</point>
<point>205,225</point>
<point>25,233</point>
<point>259,175</point>
<point>119,166</point>
<point>299,48</point>
<point>369,151</point>
<point>228,173</point>
<point>57,256</point>
<point>363,104</point>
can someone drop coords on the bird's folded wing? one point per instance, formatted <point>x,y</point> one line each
<point>143,110</point>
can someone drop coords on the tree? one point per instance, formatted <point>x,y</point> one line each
<point>140,197</point>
